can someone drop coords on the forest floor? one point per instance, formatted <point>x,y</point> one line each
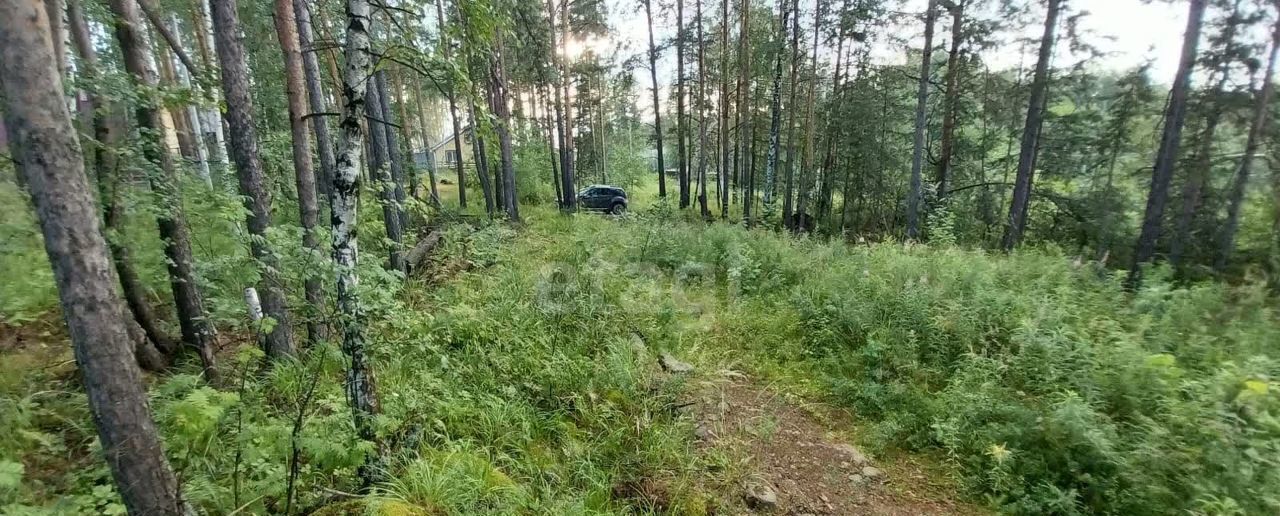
<point>742,433</point>
<point>798,459</point>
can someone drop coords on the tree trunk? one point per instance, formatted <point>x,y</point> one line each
<point>1018,206</point>
<point>421,122</point>
<point>1202,163</point>
<point>1198,175</point>
<point>452,95</point>
<point>199,144</point>
<point>802,218</point>
<point>197,331</point>
<point>38,120</point>
<point>701,108</point>
<point>566,196</point>
<point>379,170</point>
<point>1167,154</point>
<point>1235,200</point>
<point>308,211</point>
<point>482,163</point>
<point>922,110</point>
<point>831,130</point>
<point>108,184</point>
<point>681,122</point>
<point>551,140</point>
<point>787,206</point>
<point>744,100</point>
<point>657,107</point>
<point>722,177</point>
<point>951,99</point>
<point>498,96</point>
<point>53,8</point>
<point>394,158</point>
<point>253,187</point>
<point>775,117</point>
<point>210,116</point>
<point>361,387</point>
<point>315,96</point>
<point>569,163</point>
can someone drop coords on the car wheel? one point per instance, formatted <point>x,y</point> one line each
<point>618,208</point>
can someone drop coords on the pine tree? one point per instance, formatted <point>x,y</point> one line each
<point>49,158</point>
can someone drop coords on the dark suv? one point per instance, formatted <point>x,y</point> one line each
<point>605,198</point>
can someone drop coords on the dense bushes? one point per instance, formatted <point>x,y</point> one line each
<point>517,376</point>
<point>1051,388</point>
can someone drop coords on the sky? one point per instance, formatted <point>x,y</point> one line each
<point>1130,32</point>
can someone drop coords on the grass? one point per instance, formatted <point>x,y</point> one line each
<point>519,376</point>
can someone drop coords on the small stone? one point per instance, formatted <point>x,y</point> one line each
<point>637,343</point>
<point>872,472</point>
<point>844,465</point>
<point>670,364</point>
<point>703,433</point>
<point>856,478</point>
<point>855,455</point>
<point>823,498</point>
<point>761,497</point>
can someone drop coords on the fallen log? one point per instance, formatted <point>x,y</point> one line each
<point>417,256</point>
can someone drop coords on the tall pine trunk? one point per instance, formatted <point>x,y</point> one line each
<point>701,108</point>
<point>304,173</point>
<point>831,130</point>
<point>951,100</point>
<point>452,95</point>
<point>197,330</point>
<point>792,110</point>
<point>253,186</point>
<point>498,101</point>
<point>362,392</point>
<point>657,107</point>
<point>568,165</point>
<point>1018,206</point>
<point>744,113</point>
<point>155,341</point>
<point>315,96</point>
<point>682,123</point>
<point>379,170</point>
<point>722,177</point>
<point>50,160</point>
<point>1235,200</point>
<point>394,158</point>
<point>421,121</point>
<point>802,218</point>
<point>1202,163</point>
<point>1170,139</point>
<point>922,110</point>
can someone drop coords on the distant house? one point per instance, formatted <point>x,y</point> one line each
<point>443,154</point>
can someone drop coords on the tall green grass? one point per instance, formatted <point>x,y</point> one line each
<point>518,377</point>
<point>1052,389</point>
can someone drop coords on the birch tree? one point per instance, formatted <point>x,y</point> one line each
<point>362,391</point>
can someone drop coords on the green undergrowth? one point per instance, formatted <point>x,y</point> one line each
<point>1050,389</point>
<point>518,376</point>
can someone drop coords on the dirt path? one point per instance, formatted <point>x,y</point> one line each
<point>795,464</point>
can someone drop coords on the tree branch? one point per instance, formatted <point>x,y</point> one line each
<point>169,37</point>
